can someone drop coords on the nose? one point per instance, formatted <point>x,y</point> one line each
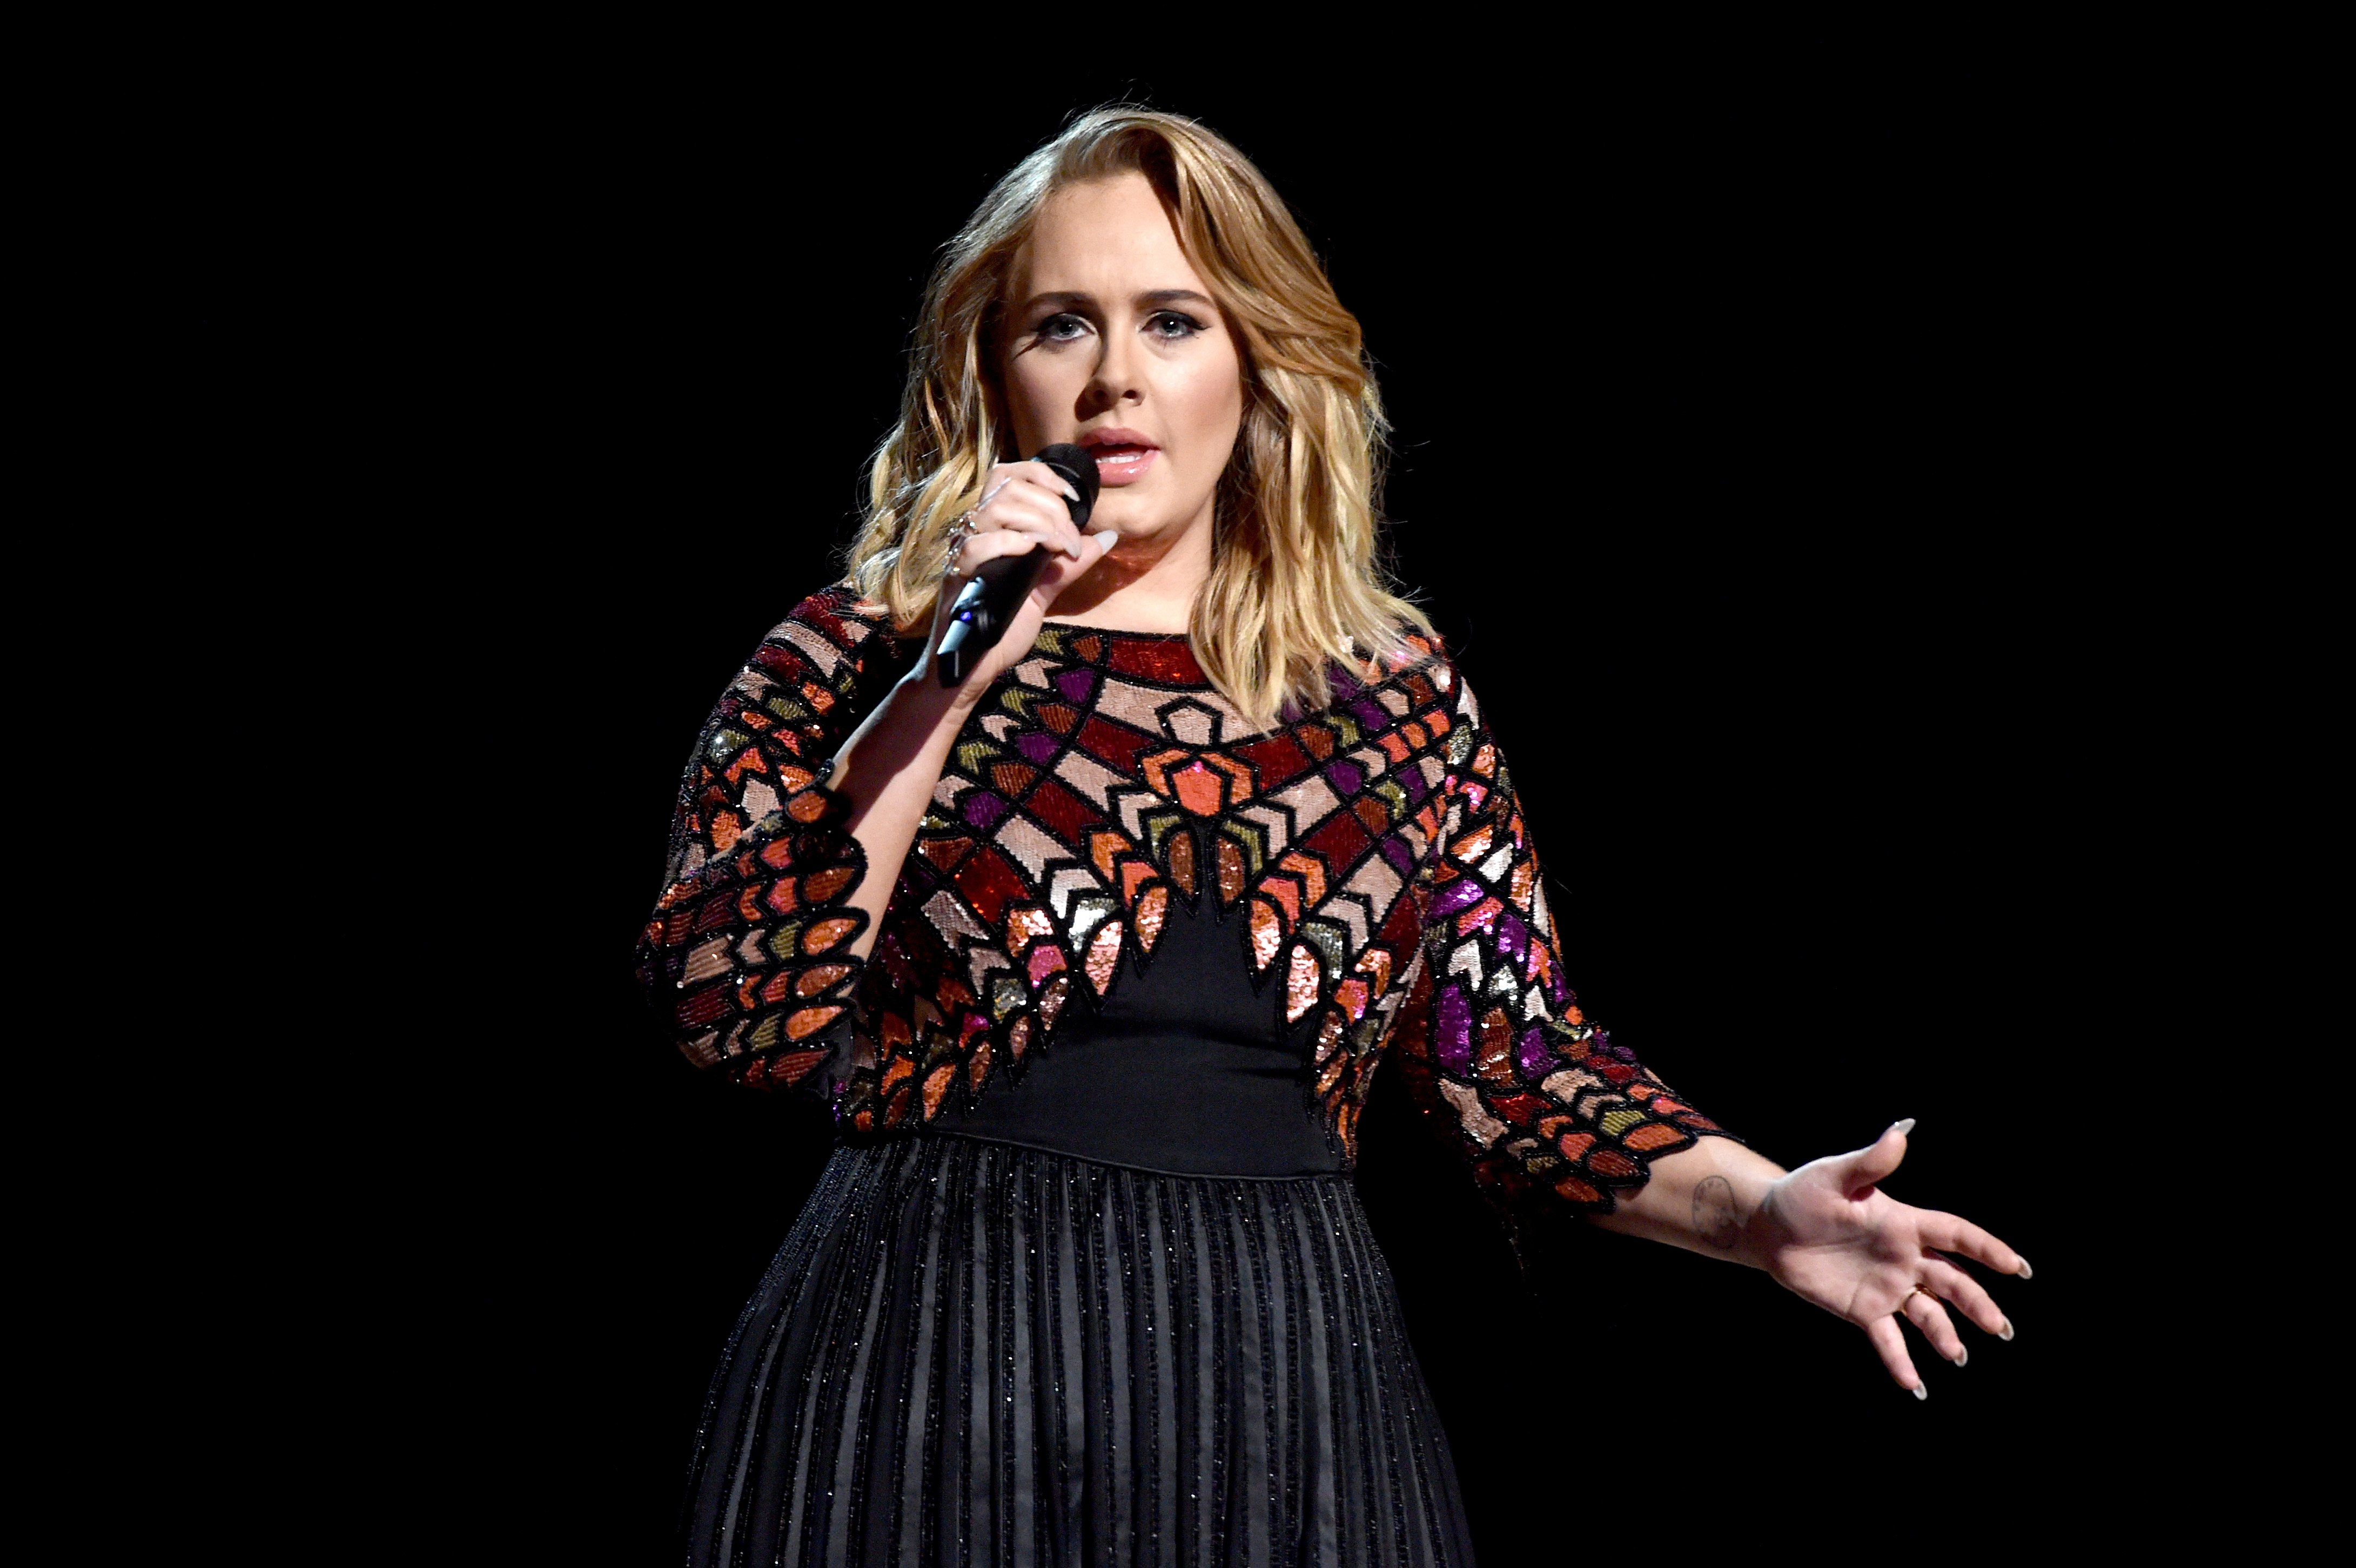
<point>1117,378</point>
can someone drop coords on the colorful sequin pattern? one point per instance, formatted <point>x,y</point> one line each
<point>1374,850</point>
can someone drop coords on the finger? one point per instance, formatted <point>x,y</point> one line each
<point>1872,1164</point>
<point>1931,1319</point>
<point>1889,1343</point>
<point>1033,507</point>
<point>1953,1234</point>
<point>983,549</point>
<point>1093,547</point>
<point>1967,1295</point>
<point>1040,473</point>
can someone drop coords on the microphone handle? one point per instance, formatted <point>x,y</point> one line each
<point>980,615</point>
<point>978,618</point>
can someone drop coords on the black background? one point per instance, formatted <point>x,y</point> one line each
<point>1740,453</point>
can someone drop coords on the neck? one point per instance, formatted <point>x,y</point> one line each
<point>1144,585</point>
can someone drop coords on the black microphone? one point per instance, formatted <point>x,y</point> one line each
<point>978,617</point>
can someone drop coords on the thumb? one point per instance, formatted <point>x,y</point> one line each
<point>1873,1164</point>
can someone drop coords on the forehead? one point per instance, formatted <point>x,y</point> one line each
<point>1109,238</point>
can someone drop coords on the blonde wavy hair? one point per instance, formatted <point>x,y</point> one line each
<point>1295,584</point>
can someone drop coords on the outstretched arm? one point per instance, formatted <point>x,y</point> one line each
<point>1830,1235</point>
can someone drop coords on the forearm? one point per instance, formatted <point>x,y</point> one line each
<point>886,773</point>
<point>1707,1199</point>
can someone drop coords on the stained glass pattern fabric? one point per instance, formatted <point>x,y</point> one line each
<point>1375,851</point>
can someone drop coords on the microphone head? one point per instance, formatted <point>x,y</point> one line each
<point>1080,469</point>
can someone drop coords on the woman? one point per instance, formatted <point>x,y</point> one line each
<point>1096,953</point>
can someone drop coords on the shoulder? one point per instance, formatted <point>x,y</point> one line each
<point>832,630</point>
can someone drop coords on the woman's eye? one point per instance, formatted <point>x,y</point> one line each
<point>1171,325</point>
<point>1062,328</point>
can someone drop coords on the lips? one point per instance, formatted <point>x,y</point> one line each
<point>1123,456</point>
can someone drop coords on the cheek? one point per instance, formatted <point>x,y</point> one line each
<point>1210,403</point>
<point>1031,395</point>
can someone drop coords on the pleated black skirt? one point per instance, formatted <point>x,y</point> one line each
<point>977,1353</point>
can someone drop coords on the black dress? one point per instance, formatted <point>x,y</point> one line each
<point>1126,1311</point>
<point>1088,1281</point>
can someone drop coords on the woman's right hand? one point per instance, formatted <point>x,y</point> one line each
<point>1026,507</point>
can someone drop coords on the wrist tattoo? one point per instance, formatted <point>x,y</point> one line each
<point>1716,1217</point>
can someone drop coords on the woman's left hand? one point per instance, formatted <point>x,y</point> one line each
<point>1830,1235</point>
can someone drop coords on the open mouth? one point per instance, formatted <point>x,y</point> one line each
<point>1122,455</point>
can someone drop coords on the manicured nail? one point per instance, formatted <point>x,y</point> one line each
<point>2005,1332</point>
<point>1071,494</point>
<point>1922,1392</point>
<point>1962,1356</point>
<point>1903,1128</point>
<point>2024,1268</point>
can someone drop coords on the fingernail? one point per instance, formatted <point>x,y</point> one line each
<point>2006,1332</point>
<point>2024,1268</point>
<point>1922,1392</point>
<point>1110,537</point>
<point>1071,494</point>
<point>1962,1356</point>
<point>1903,1128</point>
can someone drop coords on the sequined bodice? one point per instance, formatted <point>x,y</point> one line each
<point>1369,861</point>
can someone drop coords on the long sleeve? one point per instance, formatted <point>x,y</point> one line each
<point>746,954</point>
<point>1493,1043</point>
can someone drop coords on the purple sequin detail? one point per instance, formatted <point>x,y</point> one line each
<point>1395,850</point>
<point>1343,777</point>
<point>1451,1031</point>
<point>984,808</point>
<point>1076,684</point>
<point>1037,746</point>
<point>1459,894</point>
<point>1370,713</point>
<point>1531,1052</point>
<point>1513,936</point>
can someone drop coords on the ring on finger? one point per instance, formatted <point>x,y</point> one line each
<point>1920,1290</point>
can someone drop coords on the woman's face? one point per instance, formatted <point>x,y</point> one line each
<point>1113,342</point>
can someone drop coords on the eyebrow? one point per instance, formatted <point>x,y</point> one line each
<point>1068,298</point>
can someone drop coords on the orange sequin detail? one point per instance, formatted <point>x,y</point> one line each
<point>1182,860</point>
<point>1025,926</point>
<point>1199,790</point>
<point>827,932</point>
<point>1300,984</point>
<point>812,981</point>
<point>1231,872</point>
<point>809,1020</point>
<point>1148,919</point>
<point>1266,933</point>
<point>1104,956</point>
